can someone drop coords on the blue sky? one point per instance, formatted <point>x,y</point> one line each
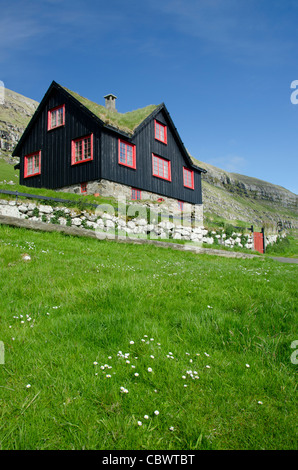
<point>223,68</point>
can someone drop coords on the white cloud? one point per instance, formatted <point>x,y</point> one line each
<point>230,163</point>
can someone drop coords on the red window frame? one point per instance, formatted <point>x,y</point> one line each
<point>161,168</point>
<point>36,170</point>
<point>136,194</point>
<point>79,145</point>
<point>181,205</point>
<point>83,188</point>
<point>126,154</point>
<point>188,178</point>
<point>160,131</point>
<point>56,111</point>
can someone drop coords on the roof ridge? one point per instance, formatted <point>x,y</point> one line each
<point>126,122</point>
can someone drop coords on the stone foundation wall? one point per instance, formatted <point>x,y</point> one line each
<point>108,188</point>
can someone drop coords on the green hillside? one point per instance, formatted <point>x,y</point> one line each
<point>16,110</point>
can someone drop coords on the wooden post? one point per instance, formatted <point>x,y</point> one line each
<point>264,244</point>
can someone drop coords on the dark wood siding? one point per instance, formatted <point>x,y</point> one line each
<point>55,146</point>
<point>142,177</point>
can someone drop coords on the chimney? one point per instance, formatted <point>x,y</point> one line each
<point>110,102</point>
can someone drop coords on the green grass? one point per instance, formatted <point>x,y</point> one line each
<point>80,301</point>
<point>285,247</point>
<point>8,173</point>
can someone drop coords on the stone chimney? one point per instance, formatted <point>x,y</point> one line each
<point>110,102</point>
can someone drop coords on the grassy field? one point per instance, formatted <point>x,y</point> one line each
<point>115,346</point>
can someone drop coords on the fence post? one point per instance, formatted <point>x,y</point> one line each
<point>263,233</point>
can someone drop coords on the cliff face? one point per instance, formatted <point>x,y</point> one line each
<point>239,197</point>
<point>225,195</point>
<point>15,113</point>
<point>248,186</point>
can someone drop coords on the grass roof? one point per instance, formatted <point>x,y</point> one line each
<point>126,122</point>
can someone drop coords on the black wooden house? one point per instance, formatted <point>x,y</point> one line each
<point>72,142</point>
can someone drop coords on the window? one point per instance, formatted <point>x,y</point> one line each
<point>56,117</point>
<point>83,188</point>
<point>32,164</point>
<point>160,132</point>
<point>82,149</point>
<point>127,154</point>
<point>188,178</point>
<point>181,205</point>
<point>161,167</point>
<point>135,194</point>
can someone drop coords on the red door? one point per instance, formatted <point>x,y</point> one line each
<point>259,242</point>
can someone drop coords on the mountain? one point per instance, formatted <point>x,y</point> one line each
<point>15,113</point>
<point>226,196</point>
<point>243,198</point>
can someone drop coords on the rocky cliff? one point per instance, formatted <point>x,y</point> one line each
<point>248,186</point>
<point>243,198</point>
<point>15,113</point>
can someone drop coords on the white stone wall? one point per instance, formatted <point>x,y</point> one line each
<point>173,228</point>
<point>167,228</point>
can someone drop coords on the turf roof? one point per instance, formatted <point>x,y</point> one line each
<point>126,122</point>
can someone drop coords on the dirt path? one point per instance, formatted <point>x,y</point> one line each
<point>285,260</point>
